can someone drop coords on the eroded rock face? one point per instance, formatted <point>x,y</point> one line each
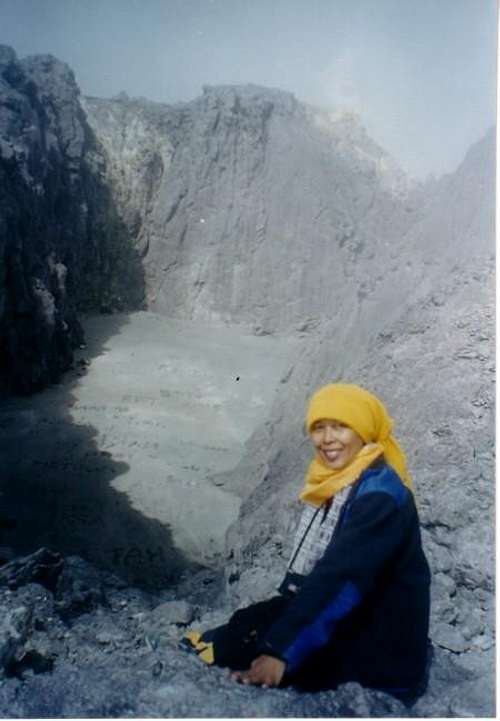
<point>421,339</point>
<point>63,247</point>
<point>248,205</point>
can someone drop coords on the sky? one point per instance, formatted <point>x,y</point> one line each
<point>421,74</point>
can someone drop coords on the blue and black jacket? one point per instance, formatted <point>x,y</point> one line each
<point>364,608</point>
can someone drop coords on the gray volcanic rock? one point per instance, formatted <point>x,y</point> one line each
<point>422,339</point>
<point>111,663</point>
<point>123,660</point>
<point>63,246</point>
<point>250,206</point>
<point>42,567</point>
<point>13,633</point>
<point>138,153</point>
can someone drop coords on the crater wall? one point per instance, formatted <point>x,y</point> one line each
<point>250,206</point>
<point>245,206</point>
<point>63,247</point>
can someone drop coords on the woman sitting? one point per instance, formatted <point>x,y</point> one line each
<point>354,605</point>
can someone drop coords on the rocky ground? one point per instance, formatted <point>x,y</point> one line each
<point>75,642</point>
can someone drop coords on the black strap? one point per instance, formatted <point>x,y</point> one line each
<point>303,537</point>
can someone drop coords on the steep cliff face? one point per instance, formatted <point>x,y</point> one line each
<point>139,153</point>
<point>63,247</point>
<point>250,207</point>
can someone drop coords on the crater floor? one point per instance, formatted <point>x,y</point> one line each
<point>153,411</point>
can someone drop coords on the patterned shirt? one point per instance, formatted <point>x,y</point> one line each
<point>314,533</point>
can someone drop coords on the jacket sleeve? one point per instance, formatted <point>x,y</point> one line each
<point>368,538</point>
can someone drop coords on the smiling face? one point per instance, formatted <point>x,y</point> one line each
<point>336,443</point>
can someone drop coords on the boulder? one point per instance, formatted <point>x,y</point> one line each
<point>43,566</point>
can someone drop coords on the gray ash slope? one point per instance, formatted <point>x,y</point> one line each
<point>423,340</point>
<point>247,206</point>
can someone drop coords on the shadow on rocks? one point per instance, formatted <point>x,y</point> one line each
<point>56,491</point>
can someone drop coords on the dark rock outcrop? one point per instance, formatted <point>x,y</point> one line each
<point>43,567</point>
<point>63,247</point>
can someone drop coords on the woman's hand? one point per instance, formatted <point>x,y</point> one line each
<point>265,671</point>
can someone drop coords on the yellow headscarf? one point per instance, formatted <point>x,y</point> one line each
<point>365,414</point>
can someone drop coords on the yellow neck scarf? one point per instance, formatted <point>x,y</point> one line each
<point>365,414</point>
